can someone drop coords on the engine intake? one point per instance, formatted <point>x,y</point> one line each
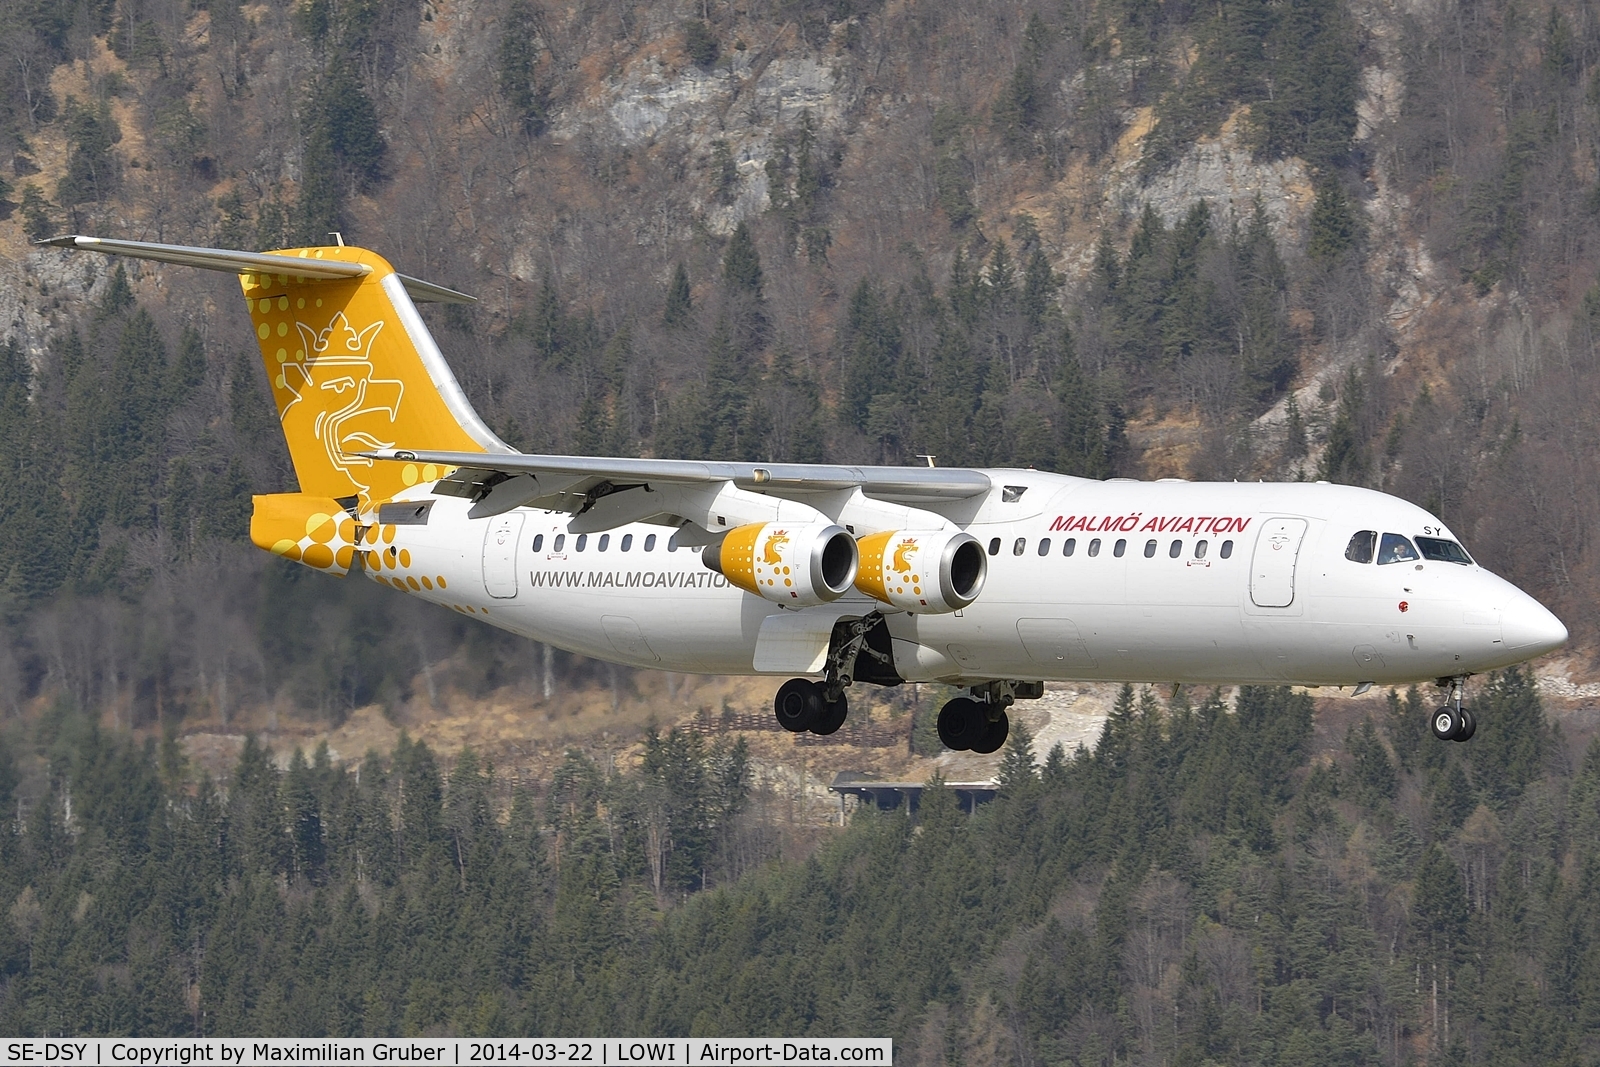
<point>801,565</point>
<point>925,572</point>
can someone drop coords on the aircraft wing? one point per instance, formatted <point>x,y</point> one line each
<point>498,483</point>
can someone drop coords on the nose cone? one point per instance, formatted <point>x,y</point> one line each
<point>1530,629</point>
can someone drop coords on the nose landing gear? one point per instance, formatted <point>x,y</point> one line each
<point>1453,722</point>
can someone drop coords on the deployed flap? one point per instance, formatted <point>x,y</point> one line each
<point>795,642</point>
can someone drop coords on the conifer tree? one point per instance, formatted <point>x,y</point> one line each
<point>741,263</point>
<point>517,61</point>
<point>1017,773</point>
<point>679,301</point>
<point>1333,222</point>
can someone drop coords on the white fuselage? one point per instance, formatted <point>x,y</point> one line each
<point>1244,583</point>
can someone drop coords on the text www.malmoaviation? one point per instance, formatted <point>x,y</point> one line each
<point>573,579</point>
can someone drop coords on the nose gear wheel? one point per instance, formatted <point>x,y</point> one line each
<point>1452,722</point>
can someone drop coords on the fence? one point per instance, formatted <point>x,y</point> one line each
<point>887,735</point>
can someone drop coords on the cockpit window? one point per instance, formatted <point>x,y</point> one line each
<point>1437,548</point>
<point>1359,550</point>
<point>1395,549</point>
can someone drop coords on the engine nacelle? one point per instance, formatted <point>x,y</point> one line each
<point>799,564</point>
<point>925,572</point>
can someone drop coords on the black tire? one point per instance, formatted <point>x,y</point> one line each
<point>1469,726</point>
<point>798,705</point>
<point>1446,723</point>
<point>961,723</point>
<point>994,735</point>
<point>833,715</point>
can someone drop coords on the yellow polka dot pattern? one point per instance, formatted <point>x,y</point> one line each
<point>381,558</point>
<point>891,568</point>
<point>312,530</point>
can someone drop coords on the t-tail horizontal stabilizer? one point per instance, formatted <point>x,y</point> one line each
<point>352,368</point>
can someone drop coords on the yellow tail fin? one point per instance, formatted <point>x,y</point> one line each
<point>353,368</point>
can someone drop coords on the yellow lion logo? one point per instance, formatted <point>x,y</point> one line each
<point>770,551</point>
<point>903,554</point>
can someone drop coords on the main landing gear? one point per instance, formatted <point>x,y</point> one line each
<point>979,723</point>
<point>803,705</point>
<point>1452,722</point>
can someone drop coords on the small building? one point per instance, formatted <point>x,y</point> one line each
<point>886,796</point>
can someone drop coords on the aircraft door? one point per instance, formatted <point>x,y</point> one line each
<point>1272,567</point>
<point>500,555</point>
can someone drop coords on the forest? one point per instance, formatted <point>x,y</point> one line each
<point>1308,239</point>
<point>1208,885</point>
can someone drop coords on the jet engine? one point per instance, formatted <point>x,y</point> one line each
<point>924,572</point>
<point>798,564</point>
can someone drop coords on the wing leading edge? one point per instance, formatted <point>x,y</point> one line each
<point>601,492</point>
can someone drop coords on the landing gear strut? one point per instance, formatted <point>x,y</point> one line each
<point>1452,722</point>
<point>821,707</point>
<point>979,723</point>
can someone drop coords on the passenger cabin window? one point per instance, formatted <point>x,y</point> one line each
<point>1094,547</point>
<point>1044,546</point>
<point>1175,549</point>
<point>1395,549</point>
<point>561,542</point>
<point>649,542</point>
<point>1069,546</point>
<point>583,542</point>
<point>1120,548</point>
<point>1442,551</point>
<point>1018,548</point>
<point>1200,549</point>
<point>1149,549</point>
<point>627,542</point>
<point>605,542</point>
<point>994,546</point>
<point>1227,549</point>
<point>1359,550</point>
<point>538,542</point>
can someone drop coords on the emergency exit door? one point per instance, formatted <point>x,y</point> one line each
<point>500,555</point>
<point>1272,567</point>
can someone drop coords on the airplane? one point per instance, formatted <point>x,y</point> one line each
<point>991,580</point>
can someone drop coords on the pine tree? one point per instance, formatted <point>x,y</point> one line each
<point>517,63</point>
<point>1017,773</point>
<point>1039,285</point>
<point>679,300</point>
<point>871,338</point>
<point>92,173</point>
<point>187,370</point>
<point>1084,449</point>
<point>741,263</point>
<point>1333,223</point>
<point>1295,444</point>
